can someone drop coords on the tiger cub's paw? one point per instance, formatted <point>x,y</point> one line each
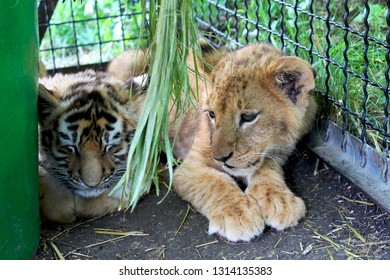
<point>58,209</point>
<point>64,216</point>
<point>283,210</point>
<point>239,220</point>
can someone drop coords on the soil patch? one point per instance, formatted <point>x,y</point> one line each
<point>341,223</point>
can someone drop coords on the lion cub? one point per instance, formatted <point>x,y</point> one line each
<point>254,105</point>
<point>257,105</point>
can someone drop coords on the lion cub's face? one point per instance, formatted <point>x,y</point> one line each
<point>257,107</point>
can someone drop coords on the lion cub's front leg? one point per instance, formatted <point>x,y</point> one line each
<point>280,207</point>
<point>231,213</point>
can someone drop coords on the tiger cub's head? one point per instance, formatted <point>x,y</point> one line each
<point>87,121</point>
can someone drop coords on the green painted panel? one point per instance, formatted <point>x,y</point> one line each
<point>19,215</point>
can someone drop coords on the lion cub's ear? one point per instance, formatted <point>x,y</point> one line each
<point>294,76</point>
<point>211,55</point>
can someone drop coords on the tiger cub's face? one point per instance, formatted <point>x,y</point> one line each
<point>87,121</point>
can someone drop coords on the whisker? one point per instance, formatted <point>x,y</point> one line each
<point>267,155</point>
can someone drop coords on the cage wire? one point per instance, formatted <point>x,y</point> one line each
<point>347,42</point>
<point>74,34</point>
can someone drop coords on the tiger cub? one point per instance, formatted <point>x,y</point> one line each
<point>86,122</point>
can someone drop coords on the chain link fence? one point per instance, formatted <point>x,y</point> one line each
<point>76,33</point>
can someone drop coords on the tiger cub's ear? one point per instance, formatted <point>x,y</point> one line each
<point>47,102</point>
<point>138,85</point>
<point>294,77</point>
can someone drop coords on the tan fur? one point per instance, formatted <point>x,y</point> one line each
<point>128,64</point>
<point>252,81</point>
<point>273,91</point>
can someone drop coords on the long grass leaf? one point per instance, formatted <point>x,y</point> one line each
<point>173,34</point>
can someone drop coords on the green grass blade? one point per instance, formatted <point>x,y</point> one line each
<point>173,32</point>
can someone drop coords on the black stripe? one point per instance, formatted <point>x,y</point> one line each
<point>129,137</point>
<point>114,95</point>
<point>76,116</point>
<point>120,158</point>
<point>109,127</point>
<point>85,132</point>
<point>63,136</point>
<point>78,88</point>
<point>60,158</point>
<point>98,130</point>
<point>112,103</point>
<point>63,165</point>
<point>82,100</point>
<point>74,127</point>
<point>105,115</point>
<point>96,97</point>
<point>46,138</point>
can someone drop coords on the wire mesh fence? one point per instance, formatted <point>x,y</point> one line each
<point>347,42</point>
<point>73,33</point>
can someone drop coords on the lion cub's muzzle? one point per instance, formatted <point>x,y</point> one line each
<point>223,158</point>
<point>238,161</point>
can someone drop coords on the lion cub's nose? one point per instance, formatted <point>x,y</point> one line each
<point>224,158</point>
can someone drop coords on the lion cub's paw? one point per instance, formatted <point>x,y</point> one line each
<point>240,220</point>
<point>282,210</point>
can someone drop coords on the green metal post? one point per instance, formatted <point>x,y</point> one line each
<point>19,214</point>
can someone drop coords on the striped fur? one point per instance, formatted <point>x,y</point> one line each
<point>87,121</point>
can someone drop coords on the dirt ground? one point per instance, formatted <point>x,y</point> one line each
<point>341,223</point>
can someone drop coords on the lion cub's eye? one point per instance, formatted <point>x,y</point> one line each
<point>248,117</point>
<point>212,115</point>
